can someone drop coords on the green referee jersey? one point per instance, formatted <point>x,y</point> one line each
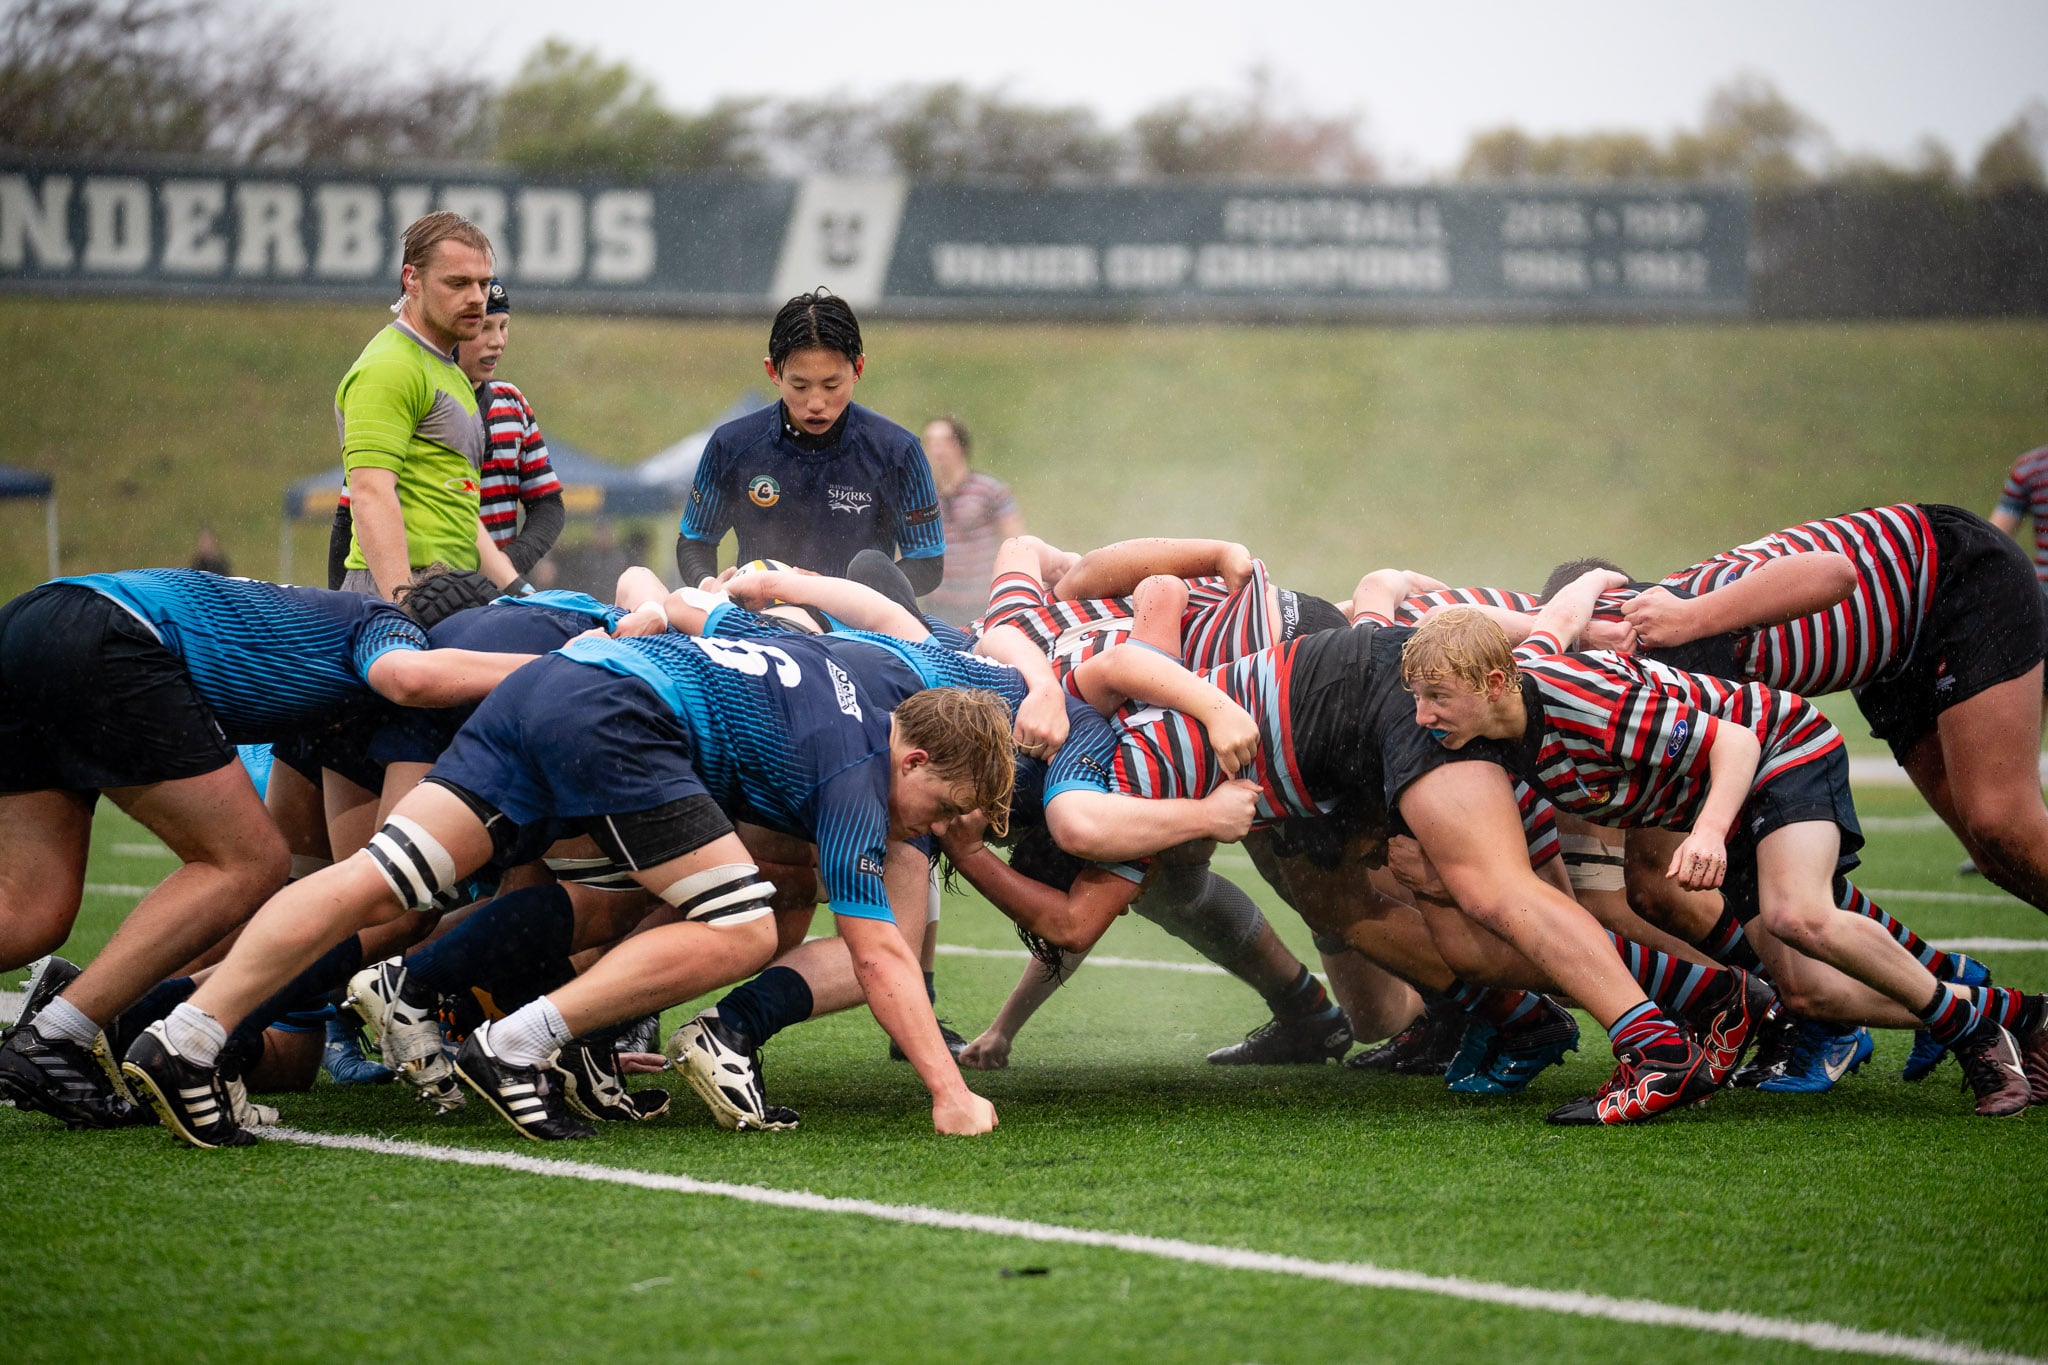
<point>406,407</point>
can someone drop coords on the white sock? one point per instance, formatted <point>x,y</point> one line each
<point>530,1034</point>
<point>62,1019</point>
<point>194,1034</point>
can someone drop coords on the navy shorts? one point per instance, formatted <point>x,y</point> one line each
<point>567,741</point>
<point>91,699</point>
<point>1986,625</point>
<point>1815,790</point>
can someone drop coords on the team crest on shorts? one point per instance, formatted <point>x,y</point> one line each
<point>763,491</point>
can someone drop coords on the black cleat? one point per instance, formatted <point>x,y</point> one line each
<point>1777,1044</point>
<point>955,1044</point>
<point>529,1097</point>
<point>1646,1082</point>
<point>56,1076</point>
<point>592,1085</point>
<point>1996,1070</point>
<point>1309,1041</point>
<point>46,981</point>
<point>1728,1021</point>
<point>192,1100</point>
<point>2033,1045</point>
<point>1424,1048</point>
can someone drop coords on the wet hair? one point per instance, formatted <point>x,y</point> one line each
<point>1458,642</point>
<point>1565,574</point>
<point>966,731</point>
<point>819,320</point>
<point>959,430</point>
<point>423,234</point>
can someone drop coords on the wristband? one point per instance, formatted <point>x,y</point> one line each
<point>519,587</point>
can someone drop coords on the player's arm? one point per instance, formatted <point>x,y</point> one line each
<point>920,529</point>
<point>1570,610</point>
<point>1114,827</point>
<point>638,585</point>
<point>1074,919</point>
<point>495,565</point>
<point>704,521</point>
<point>842,599</point>
<point>380,527</point>
<point>440,677</point>
<point>1137,672</point>
<point>1041,726</point>
<point>1116,570</point>
<point>991,1050</point>
<point>1772,593</point>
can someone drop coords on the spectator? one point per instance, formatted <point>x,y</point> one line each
<point>978,515</point>
<point>207,553</point>
<point>412,441</point>
<point>2026,495</point>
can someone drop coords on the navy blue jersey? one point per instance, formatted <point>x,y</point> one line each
<point>871,489</point>
<point>535,624</point>
<point>267,660</point>
<point>780,735</point>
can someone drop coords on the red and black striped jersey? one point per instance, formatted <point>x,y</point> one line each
<point>1622,740</point>
<point>1413,609</point>
<point>1860,639</point>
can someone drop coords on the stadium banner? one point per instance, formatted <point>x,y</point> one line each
<point>720,245</point>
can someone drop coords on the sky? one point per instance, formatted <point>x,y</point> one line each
<point>1879,75</point>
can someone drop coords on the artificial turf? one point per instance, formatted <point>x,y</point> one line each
<point>1881,1206</point>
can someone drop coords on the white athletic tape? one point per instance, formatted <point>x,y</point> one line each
<point>412,861</point>
<point>729,894</point>
<point>1820,1336</point>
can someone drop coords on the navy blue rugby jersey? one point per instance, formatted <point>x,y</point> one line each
<point>872,488</point>
<point>781,735</point>
<point>266,659</point>
<point>538,623</point>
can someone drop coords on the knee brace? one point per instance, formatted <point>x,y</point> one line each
<point>412,861</point>
<point>1207,912</point>
<point>1592,864</point>
<point>600,873</point>
<point>731,894</point>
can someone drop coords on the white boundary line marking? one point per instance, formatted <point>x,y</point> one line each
<point>10,1005</point>
<point>1150,964</point>
<point>1820,1336</point>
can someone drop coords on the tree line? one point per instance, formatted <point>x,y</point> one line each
<point>211,77</point>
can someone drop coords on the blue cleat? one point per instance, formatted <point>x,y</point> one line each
<point>343,1058</point>
<point>1515,1057</point>
<point>1475,1049</point>
<point>1927,1054</point>
<point>1821,1054</point>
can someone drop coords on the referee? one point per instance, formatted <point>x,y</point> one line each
<point>816,480</point>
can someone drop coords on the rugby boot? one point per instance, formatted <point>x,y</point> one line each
<point>1309,1040</point>
<point>1995,1070</point>
<point>1475,1049</point>
<point>529,1098</point>
<point>592,1084</point>
<point>1724,1022</point>
<point>408,1033</point>
<point>1821,1054</point>
<point>1521,1051</point>
<point>58,1077</point>
<point>2033,1045</point>
<point>724,1068</point>
<point>1775,1036</point>
<point>1927,1052</point>
<point>192,1100</point>
<point>955,1044</point>
<point>1424,1048</point>
<point>1646,1082</point>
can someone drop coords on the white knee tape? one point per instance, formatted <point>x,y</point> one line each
<point>731,894</point>
<point>412,861</point>
<point>1592,864</point>
<point>932,898</point>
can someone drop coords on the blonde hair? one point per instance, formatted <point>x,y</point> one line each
<point>967,733</point>
<point>1458,642</point>
<point>428,231</point>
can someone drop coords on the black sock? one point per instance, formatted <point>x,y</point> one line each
<point>1728,945</point>
<point>768,1004</point>
<point>931,987</point>
<point>308,989</point>
<point>1299,998</point>
<point>158,1001</point>
<point>517,948</point>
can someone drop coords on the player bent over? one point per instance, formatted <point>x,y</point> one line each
<point>645,745</point>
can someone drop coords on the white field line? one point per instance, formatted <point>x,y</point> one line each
<point>117,889</point>
<point>10,1005</point>
<point>1875,770</point>
<point>1018,954</point>
<point>1995,945</point>
<point>152,849</point>
<point>1820,1336</point>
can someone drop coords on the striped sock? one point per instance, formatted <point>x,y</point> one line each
<point>1931,957</point>
<point>1952,1013</point>
<point>1496,1005</point>
<point>1728,945</point>
<point>1672,982</point>
<point>2014,1010</point>
<point>1645,1026</point>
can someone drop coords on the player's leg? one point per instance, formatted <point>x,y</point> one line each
<point>1990,745</point>
<point>44,837</point>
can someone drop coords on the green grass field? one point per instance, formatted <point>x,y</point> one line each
<point>1880,1207</point>
<point>1482,454</point>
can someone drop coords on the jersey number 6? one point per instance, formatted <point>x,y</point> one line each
<point>752,659</point>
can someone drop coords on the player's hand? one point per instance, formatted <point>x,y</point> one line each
<point>964,1115</point>
<point>1413,869</point>
<point>989,1052</point>
<point>1234,735</point>
<point>642,1063</point>
<point>1660,618</point>
<point>963,834</point>
<point>1232,806</point>
<point>1235,564</point>
<point>594,633</point>
<point>1606,633</point>
<point>1700,863</point>
<point>1042,723</point>
<point>648,619</point>
<point>755,589</point>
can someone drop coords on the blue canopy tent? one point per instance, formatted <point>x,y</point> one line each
<point>32,483</point>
